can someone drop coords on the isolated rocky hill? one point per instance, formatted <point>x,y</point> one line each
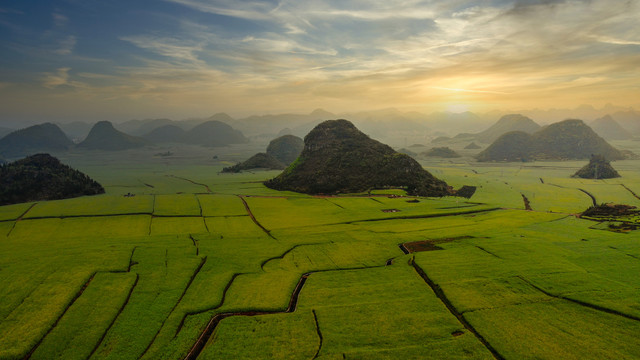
<point>166,133</point>
<point>213,133</point>
<point>568,139</point>
<point>597,168</point>
<point>285,149</point>
<point>507,123</point>
<point>443,152</point>
<point>103,136</point>
<point>339,158</point>
<point>43,177</point>
<point>472,146</point>
<point>34,139</point>
<point>610,129</point>
<point>257,161</point>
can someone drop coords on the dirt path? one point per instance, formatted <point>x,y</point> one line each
<point>246,206</point>
<point>193,182</point>
<point>440,294</point>
<point>593,198</point>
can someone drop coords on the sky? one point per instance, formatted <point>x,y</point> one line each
<point>65,60</point>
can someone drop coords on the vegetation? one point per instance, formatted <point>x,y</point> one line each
<point>285,149</point>
<point>34,139</point>
<point>111,277</point>
<point>257,161</point>
<point>43,177</point>
<point>338,158</point>
<point>103,136</point>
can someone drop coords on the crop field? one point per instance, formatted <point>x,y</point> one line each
<point>195,264</point>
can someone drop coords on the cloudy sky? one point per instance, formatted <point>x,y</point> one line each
<point>94,59</point>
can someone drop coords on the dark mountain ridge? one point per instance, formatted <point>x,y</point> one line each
<point>34,139</point>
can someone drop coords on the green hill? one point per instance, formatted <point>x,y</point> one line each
<point>257,161</point>
<point>568,139</point>
<point>103,136</point>
<point>339,158</point>
<point>213,133</point>
<point>443,152</point>
<point>43,177</point>
<point>286,148</point>
<point>34,139</point>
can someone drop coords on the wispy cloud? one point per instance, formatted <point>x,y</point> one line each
<point>59,78</point>
<point>66,45</point>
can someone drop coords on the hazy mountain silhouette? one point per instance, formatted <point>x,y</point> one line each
<point>103,136</point>
<point>339,158</point>
<point>166,133</point>
<point>472,146</point>
<point>507,123</point>
<point>609,129</point>
<point>568,139</point>
<point>37,138</point>
<point>42,177</point>
<point>443,152</point>
<point>213,133</point>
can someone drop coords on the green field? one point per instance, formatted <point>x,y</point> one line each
<point>292,276</point>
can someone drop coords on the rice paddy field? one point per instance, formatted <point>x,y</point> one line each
<point>194,264</point>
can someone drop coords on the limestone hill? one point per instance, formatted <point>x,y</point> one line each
<point>568,139</point>
<point>512,146</point>
<point>339,158</point>
<point>597,168</point>
<point>103,136</point>
<point>166,133</point>
<point>610,129</point>
<point>285,149</point>
<point>472,146</point>
<point>508,123</point>
<point>443,152</point>
<point>43,177</point>
<point>34,139</point>
<point>257,161</point>
<point>213,133</point>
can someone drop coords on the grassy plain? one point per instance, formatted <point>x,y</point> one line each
<point>115,277</point>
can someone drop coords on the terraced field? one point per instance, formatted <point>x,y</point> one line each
<point>200,265</point>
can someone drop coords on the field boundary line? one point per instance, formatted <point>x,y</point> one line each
<point>315,318</point>
<point>193,182</point>
<point>288,251</point>
<point>19,218</point>
<point>246,206</point>
<point>631,191</point>
<point>73,300</point>
<point>124,304</point>
<point>447,303</point>
<point>193,276</point>
<point>579,302</point>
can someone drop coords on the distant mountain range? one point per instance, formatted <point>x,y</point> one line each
<point>568,139</point>
<point>103,136</point>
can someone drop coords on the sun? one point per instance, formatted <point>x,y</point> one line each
<point>457,108</point>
